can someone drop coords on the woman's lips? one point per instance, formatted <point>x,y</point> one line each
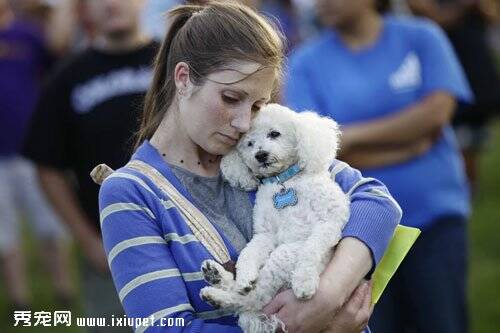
<point>229,139</point>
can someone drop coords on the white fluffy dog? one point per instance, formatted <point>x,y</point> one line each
<point>298,217</point>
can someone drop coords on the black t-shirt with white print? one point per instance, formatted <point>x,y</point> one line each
<point>88,113</point>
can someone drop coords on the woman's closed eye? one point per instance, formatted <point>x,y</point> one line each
<point>235,100</point>
<point>230,100</point>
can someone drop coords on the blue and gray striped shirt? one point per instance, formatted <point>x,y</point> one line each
<point>155,259</point>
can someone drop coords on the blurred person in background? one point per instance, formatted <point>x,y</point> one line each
<point>393,83</point>
<point>87,115</point>
<point>23,59</point>
<point>153,17</point>
<point>285,12</point>
<point>56,19</point>
<point>466,22</point>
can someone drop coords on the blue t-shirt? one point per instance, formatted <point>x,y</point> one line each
<point>412,58</point>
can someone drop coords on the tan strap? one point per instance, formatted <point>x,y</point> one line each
<point>202,229</point>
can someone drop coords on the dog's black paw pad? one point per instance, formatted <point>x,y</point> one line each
<point>211,273</point>
<point>210,301</point>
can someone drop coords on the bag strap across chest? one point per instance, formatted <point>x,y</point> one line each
<point>201,228</point>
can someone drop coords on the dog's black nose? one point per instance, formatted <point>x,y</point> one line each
<point>262,156</point>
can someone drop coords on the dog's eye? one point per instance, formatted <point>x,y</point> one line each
<point>273,134</point>
<point>250,144</point>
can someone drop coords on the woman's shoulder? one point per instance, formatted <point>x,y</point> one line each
<point>311,47</point>
<point>411,25</point>
<point>128,185</point>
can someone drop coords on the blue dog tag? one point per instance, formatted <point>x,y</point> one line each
<point>284,198</point>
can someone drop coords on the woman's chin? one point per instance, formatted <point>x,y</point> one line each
<point>218,149</point>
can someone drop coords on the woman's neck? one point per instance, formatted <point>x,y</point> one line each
<point>363,31</point>
<point>176,148</point>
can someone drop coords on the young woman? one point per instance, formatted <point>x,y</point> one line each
<point>394,84</point>
<point>218,65</point>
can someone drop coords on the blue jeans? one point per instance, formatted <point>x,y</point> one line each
<point>428,292</point>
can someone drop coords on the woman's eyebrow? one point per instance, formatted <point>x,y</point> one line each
<point>239,91</point>
<point>243,92</point>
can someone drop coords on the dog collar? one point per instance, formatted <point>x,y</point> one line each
<point>282,177</point>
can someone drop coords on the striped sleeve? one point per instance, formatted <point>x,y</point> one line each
<point>146,276</point>
<point>374,212</point>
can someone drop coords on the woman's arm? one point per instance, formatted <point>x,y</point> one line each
<point>351,262</point>
<point>374,216</point>
<point>374,158</point>
<point>408,126</point>
<point>150,281</point>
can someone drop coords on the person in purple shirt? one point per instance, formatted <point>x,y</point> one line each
<point>23,57</point>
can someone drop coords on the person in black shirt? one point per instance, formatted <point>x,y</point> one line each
<point>87,114</point>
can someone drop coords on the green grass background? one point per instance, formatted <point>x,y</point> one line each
<point>484,293</point>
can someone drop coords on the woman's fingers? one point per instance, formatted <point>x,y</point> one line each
<point>367,303</point>
<point>276,303</point>
<point>356,301</point>
<point>365,311</point>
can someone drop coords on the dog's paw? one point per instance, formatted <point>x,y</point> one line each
<point>216,275</point>
<point>206,294</point>
<point>219,298</point>
<point>305,288</point>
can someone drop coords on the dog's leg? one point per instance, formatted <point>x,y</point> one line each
<point>274,275</point>
<point>251,260</point>
<point>225,299</point>
<point>313,257</point>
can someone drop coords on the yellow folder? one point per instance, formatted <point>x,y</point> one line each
<point>402,241</point>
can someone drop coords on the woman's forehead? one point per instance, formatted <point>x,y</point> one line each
<point>239,72</point>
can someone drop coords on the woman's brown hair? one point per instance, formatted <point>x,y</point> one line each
<point>207,37</point>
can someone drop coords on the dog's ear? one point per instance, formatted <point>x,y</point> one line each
<point>317,141</point>
<point>235,171</point>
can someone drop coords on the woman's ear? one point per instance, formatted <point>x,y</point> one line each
<point>235,171</point>
<point>317,141</point>
<point>181,77</point>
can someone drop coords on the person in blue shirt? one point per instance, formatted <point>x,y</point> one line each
<point>393,84</point>
<point>217,66</point>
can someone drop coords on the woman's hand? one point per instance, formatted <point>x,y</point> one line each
<point>312,315</point>
<point>354,315</point>
<point>320,314</point>
<point>351,261</point>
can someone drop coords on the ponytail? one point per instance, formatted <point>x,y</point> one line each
<point>162,91</point>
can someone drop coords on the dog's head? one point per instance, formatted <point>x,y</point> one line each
<point>278,138</point>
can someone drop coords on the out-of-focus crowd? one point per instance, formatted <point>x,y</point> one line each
<point>73,74</point>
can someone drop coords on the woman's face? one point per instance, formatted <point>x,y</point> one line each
<point>340,13</point>
<point>215,115</point>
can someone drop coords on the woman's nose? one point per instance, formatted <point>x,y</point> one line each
<point>242,120</point>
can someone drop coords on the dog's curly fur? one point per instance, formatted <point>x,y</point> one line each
<point>290,246</point>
